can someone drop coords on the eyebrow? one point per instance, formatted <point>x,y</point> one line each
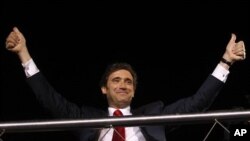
<point>127,78</point>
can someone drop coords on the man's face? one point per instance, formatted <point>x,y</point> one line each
<point>120,89</point>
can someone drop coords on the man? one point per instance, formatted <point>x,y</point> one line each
<point>119,84</point>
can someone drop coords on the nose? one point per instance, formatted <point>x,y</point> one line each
<point>122,85</point>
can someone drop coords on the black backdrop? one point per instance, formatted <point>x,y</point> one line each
<point>172,46</point>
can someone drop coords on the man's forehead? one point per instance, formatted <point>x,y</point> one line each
<point>121,74</point>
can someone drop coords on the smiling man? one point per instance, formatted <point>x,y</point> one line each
<point>118,84</point>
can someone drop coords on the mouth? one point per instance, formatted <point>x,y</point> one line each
<point>122,93</point>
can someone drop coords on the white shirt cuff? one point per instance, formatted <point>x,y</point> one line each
<point>30,68</point>
<point>220,73</point>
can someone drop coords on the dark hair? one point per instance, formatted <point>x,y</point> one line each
<point>115,67</point>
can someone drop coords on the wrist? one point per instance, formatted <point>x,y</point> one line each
<point>223,60</point>
<point>226,63</point>
<point>24,56</point>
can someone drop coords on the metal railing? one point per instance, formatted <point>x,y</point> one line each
<point>70,124</point>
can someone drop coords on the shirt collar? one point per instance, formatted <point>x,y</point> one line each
<point>125,111</point>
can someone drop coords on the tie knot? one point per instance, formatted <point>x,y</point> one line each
<point>118,113</point>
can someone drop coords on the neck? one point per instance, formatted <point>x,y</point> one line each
<point>121,106</point>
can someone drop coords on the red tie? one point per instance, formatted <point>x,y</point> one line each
<point>119,132</point>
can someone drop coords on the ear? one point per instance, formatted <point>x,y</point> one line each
<point>104,90</point>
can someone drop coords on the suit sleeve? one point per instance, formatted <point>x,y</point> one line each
<point>200,101</point>
<point>51,99</point>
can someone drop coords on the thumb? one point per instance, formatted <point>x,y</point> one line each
<point>17,31</point>
<point>233,38</point>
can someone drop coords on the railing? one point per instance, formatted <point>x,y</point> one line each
<point>53,125</point>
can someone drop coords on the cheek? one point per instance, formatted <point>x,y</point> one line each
<point>131,88</point>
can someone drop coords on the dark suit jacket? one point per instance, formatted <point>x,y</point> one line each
<point>62,108</point>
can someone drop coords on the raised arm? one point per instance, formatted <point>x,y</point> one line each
<point>45,93</point>
<point>203,98</point>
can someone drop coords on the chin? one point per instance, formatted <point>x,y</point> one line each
<point>125,102</point>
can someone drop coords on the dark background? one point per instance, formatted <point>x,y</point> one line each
<point>172,46</point>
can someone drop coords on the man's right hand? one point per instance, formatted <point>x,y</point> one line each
<point>16,43</point>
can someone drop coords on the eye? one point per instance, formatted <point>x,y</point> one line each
<point>115,80</point>
<point>130,82</point>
